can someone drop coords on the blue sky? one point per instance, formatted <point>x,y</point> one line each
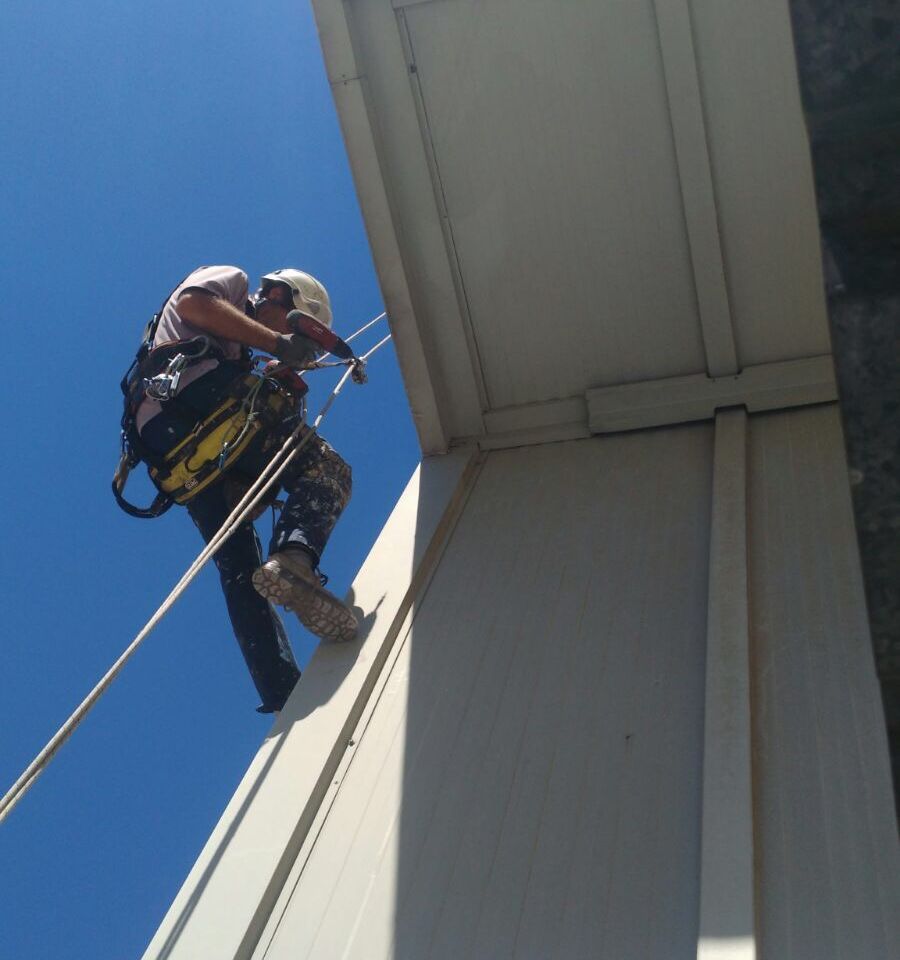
<point>139,141</point>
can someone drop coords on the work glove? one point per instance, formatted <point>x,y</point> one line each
<point>295,349</point>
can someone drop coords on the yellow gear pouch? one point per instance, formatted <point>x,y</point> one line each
<point>218,441</point>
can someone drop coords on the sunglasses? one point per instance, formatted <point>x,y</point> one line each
<point>286,299</point>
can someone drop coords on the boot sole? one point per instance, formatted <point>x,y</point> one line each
<point>317,609</point>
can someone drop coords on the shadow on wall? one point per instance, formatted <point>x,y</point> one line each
<point>281,795</point>
<point>333,662</point>
<point>550,800</point>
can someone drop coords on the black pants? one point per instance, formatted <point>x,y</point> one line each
<point>318,485</point>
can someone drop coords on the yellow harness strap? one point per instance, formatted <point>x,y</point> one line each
<point>214,445</point>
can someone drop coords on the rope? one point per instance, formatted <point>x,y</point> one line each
<point>365,327</point>
<point>249,404</point>
<point>317,364</point>
<point>257,491</point>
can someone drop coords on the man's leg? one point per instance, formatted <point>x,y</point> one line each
<point>318,485</point>
<point>259,632</point>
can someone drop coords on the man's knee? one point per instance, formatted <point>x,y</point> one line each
<point>327,469</point>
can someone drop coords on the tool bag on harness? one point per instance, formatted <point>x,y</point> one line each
<point>254,402</point>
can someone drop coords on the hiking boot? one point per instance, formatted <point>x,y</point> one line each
<point>288,579</point>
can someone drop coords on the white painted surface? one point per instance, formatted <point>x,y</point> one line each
<point>528,784</point>
<point>527,769</point>
<point>727,917</point>
<point>762,175</point>
<point>578,196</point>
<point>526,776</point>
<point>228,895</point>
<point>423,400</point>
<point>368,71</point>
<point>553,145</point>
<point>423,387</point>
<point>828,865</point>
<point>548,422</point>
<point>771,386</point>
<point>673,21</point>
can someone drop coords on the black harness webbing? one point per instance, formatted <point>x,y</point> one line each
<point>149,362</point>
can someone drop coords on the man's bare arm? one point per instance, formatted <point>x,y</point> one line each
<point>220,318</point>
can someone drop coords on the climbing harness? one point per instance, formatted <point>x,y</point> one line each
<point>257,492</point>
<point>255,402</point>
<point>216,442</point>
<point>154,372</point>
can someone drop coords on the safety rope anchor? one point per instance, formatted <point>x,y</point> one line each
<point>358,371</point>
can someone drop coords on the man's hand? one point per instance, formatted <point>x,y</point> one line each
<point>295,349</point>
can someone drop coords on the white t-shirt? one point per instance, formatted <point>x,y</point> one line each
<point>228,283</point>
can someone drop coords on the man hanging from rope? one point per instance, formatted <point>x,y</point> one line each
<point>213,302</point>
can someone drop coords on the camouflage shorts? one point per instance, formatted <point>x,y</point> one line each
<point>318,484</point>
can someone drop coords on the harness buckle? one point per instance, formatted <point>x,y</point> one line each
<point>164,385</point>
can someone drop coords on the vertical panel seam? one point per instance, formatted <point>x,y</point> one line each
<point>420,580</point>
<point>440,196</point>
<point>727,838</point>
<point>675,33</point>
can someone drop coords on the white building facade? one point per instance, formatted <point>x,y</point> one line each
<point>614,695</point>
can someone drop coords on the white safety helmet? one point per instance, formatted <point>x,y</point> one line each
<point>309,296</point>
